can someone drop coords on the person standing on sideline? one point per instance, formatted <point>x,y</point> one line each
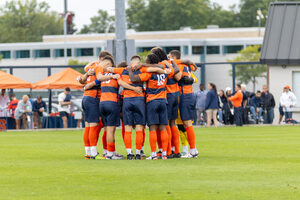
<point>256,106</point>
<point>245,103</point>
<point>288,100</point>
<point>237,100</point>
<point>24,107</point>
<point>200,103</point>
<point>212,104</point>
<point>268,104</point>
<point>4,102</point>
<point>64,106</point>
<point>38,107</point>
<point>12,107</point>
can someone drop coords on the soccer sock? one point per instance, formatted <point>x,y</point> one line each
<point>164,141</point>
<point>185,149</point>
<point>169,151</point>
<point>123,131</point>
<point>127,141</point>
<point>175,139</point>
<point>153,140</point>
<point>158,140</point>
<point>110,149</point>
<point>94,151</point>
<point>86,139</point>
<point>144,135</point>
<point>93,135</point>
<point>139,141</point>
<point>87,151</point>
<point>191,136</point>
<point>104,142</point>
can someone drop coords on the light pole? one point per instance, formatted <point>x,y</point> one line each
<point>65,28</point>
<point>120,22</point>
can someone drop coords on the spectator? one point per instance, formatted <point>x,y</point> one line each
<point>288,100</point>
<point>4,102</point>
<point>245,103</point>
<point>268,103</point>
<point>12,106</point>
<point>222,105</point>
<point>30,119</point>
<point>38,107</point>
<point>228,109</point>
<point>24,107</point>
<point>256,106</point>
<point>64,106</point>
<point>212,104</point>
<point>281,114</point>
<point>200,103</point>
<point>236,100</point>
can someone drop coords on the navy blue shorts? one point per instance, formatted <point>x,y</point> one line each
<point>134,111</point>
<point>187,106</point>
<point>157,113</point>
<point>110,113</point>
<point>281,110</point>
<point>173,105</point>
<point>90,106</point>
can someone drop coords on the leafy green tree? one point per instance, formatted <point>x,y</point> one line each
<point>76,62</point>
<point>249,73</point>
<point>144,55</point>
<point>28,21</point>
<point>100,23</point>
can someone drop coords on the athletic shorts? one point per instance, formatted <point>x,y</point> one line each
<point>134,111</point>
<point>64,114</point>
<point>173,105</point>
<point>110,113</point>
<point>187,106</point>
<point>157,113</point>
<point>90,106</point>
<point>281,111</point>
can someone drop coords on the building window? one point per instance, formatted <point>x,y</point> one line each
<point>232,48</point>
<point>5,54</point>
<point>186,50</point>
<point>42,53</point>
<point>60,53</point>
<point>23,54</point>
<point>197,50</point>
<point>296,86</point>
<point>143,49</point>
<point>168,49</point>
<point>85,52</point>
<point>98,50</point>
<point>213,50</point>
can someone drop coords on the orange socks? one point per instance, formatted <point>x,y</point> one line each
<point>153,140</point>
<point>164,140</point>
<point>158,139</point>
<point>139,140</point>
<point>93,135</point>
<point>86,139</point>
<point>104,142</point>
<point>169,150</point>
<point>144,135</point>
<point>191,136</point>
<point>127,140</point>
<point>175,139</point>
<point>110,148</point>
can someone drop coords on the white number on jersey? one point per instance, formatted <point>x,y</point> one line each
<point>160,79</point>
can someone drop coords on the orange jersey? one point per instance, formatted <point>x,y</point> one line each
<point>96,90</point>
<point>125,77</point>
<point>172,84</point>
<point>186,71</point>
<point>236,99</point>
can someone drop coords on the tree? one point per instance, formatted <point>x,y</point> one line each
<point>100,23</point>
<point>249,73</point>
<point>76,62</point>
<point>28,21</point>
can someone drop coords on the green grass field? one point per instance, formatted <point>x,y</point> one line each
<point>235,163</point>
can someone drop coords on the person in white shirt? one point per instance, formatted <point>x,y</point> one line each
<point>288,100</point>
<point>24,107</point>
<point>4,102</point>
<point>64,106</point>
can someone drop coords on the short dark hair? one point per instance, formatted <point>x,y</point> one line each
<point>176,54</point>
<point>67,89</point>
<point>160,53</point>
<point>122,64</point>
<point>111,59</point>
<point>153,58</point>
<point>238,85</point>
<point>104,53</point>
<point>201,84</point>
<point>29,96</point>
<point>12,95</point>
<point>258,92</point>
<point>135,57</point>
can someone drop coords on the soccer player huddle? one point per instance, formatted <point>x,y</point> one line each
<point>153,93</point>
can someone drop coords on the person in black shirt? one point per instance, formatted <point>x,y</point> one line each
<point>38,107</point>
<point>268,104</point>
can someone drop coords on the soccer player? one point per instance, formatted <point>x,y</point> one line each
<point>90,106</point>
<point>156,105</point>
<point>134,108</point>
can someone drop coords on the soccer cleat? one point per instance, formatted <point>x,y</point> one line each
<point>138,157</point>
<point>104,155</point>
<point>159,153</point>
<point>170,156</point>
<point>130,157</point>
<point>118,155</point>
<point>97,157</point>
<point>164,157</point>
<point>189,155</point>
<point>113,158</point>
<point>87,157</point>
<point>183,153</point>
<point>142,153</point>
<point>152,158</point>
<point>178,155</point>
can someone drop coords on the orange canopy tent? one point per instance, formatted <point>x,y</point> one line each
<point>60,80</point>
<point>8,81</point>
